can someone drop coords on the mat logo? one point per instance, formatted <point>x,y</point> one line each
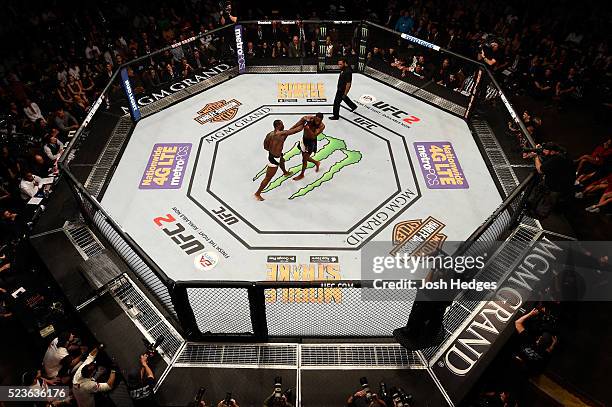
<point>387,110</point>
<point>173,229</point>
<point>333,145</point>
<point>323,269</point>
<point>418,237</point>
<point>295,91</point>
<point>366,99</point>
<point>206,261</point>
<point>166,166</point>
<point>220,111</point>
<point>440,166</point>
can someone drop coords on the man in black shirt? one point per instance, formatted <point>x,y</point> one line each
<point>344,85</point>
<point>140,383</point>
<point>556,168</point>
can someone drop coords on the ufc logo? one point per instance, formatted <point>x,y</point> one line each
<point>188,243</point>
<point>396,112</point>
<point>228,218</point>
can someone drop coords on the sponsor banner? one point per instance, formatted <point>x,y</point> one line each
<point>388,111</point>
<point>324,269</point>
<point>177,86</point>
<point>461,362</point>
<point>127,88</point>
<point>240,49</point>
<point>219,111</point>
<point>287,92</point>
<point>420,42</point>
<point>440,165</point>
<point>166,167</point>
<point>92,111</point>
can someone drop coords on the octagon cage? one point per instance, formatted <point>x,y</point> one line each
<point>236,309</point>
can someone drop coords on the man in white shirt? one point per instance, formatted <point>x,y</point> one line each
<point>56,355</point>
<point>32,111</point>
<point>29,186</point>
<point>84,386</point>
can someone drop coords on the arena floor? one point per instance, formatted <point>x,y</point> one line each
<point>397,170</point>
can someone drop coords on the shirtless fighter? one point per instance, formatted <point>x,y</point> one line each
<point>308,146</point>
<point>273,144</point>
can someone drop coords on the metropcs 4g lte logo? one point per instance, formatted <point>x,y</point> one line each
<point>333,145</point>
<point>220,111</point>
<point>387,110</point>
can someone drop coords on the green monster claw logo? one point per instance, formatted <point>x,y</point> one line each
<point>333,145</point>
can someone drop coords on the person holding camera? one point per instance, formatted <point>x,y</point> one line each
<point>489,54</point>
<point>84,386</point>
<point>140,382</point>
<point>556,168</point>
<point>362,398</point>
<point>226,13</point>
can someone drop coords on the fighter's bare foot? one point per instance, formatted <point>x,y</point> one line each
<point>288,174</point>
<point>299,177</point>
<point>258,197</point>
<point>317,165</point>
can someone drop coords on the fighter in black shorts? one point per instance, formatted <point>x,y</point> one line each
<point>273,143</point>
<point>308,145</point>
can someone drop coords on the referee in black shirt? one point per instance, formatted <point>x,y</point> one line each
<point>344,85</point>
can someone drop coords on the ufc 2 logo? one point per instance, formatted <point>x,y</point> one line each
<point>396,112</point>
<point>188,243</point>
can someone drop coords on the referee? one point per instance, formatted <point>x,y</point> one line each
<point>344,85</point>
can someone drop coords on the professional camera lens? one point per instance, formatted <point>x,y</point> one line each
<point>278,391</point>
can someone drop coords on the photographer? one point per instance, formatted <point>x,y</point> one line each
<point>140,382</point>
<point>274,401</point>
<point>226,13</point>
<point>557,169</point>
<point>489,54</point>
<point>361,399</point>
<point>84,386</point>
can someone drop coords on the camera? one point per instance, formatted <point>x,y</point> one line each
<point>151,348</point>
<point>383,391</point>
<point>366,387</point>
<point>538,151</point>
<point>199,395</point>
<point>400,398</point>
<point>278,390</point>
<point>228,399</point>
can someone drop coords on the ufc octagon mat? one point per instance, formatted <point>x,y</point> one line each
<point>396,170</point>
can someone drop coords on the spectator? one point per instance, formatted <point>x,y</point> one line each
<point>534,350</point>
<point>65,122</point>
<point>30,186</point>
<point>596,164</point>
<point>32,111</point>
<point>5,311</point>
<point>605,186</point>
<point>295,48</point>
<point>53,148</point>
<point>568,87</point>
<point>58,354</point>
<point>544,87</point>
<point>405,23</point>
<point>84,386</point>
